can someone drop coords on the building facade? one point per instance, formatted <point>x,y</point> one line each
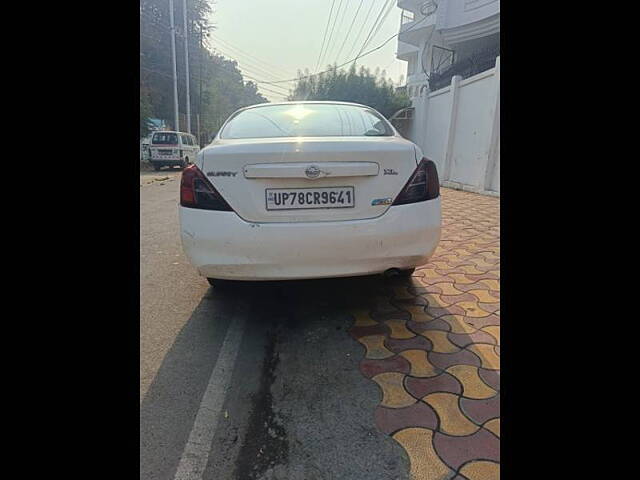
<point>452,50</point>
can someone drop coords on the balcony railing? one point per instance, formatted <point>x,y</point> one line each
<point>477,62</point>
<point>406,17</point>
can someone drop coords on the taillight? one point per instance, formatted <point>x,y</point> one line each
<point>423,184</point>
<point>197,192</point>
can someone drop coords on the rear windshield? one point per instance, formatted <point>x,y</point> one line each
<point>306,120</point>
<point>164,139</point>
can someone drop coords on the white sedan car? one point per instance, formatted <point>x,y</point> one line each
<point>298,190</point>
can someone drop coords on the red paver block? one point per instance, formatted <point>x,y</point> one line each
<point>480,411</point>
<point>390,420</point>
<point>455,451</point>
<point>372,367</point>
<point>421,387</point>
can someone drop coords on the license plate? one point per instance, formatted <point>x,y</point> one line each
<point>308,198</point>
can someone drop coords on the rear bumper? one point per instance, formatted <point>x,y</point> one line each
<point>166,162</point>
<point>222,245</point>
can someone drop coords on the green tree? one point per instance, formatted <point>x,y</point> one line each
<point>146,111</point>
<point>221,83</point>
<point>351,85</point>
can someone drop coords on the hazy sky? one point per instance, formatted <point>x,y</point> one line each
<point>272,39</point>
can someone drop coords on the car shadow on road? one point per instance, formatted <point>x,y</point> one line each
<point>170,405</point>
<point>168,409</point>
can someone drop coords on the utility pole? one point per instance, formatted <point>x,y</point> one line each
<point>186,63</point>
<point>200,89</point>
<point>175,69</point>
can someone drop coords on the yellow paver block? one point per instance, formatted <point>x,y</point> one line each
<point>472,270</point>
<point>458,325</point>
<point>481,470</point>
<point>452,420</point>
<point>492,284</point>
<point>441,343</point>
<point>493,330</point>
<point>452,257</point>
<point>415,310</point>
<point>484,296</point>
<point>462,279</point>
<point>375,347</point>
<point>363,319</point>
<point>418,314</point>
<point>425,463</point>
<point>435,300</point>
<point>472,384</point>
<point>472,309</point>
<point>441,265</point>
<point>399,329</point>
<point>487,354</point>
<point>430,273</point>
<point>448,289</point>
<point>393,393</point>
<point>493,425</point>
<point>481,263</point>
<point>420,364</point>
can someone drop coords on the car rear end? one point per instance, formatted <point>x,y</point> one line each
<point>165,149</point>
<point>288,207</point>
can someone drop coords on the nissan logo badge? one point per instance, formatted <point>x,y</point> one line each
<point>312,171</point>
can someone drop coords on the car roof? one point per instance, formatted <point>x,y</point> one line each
<point>173,131</point>
<point>306,102</point>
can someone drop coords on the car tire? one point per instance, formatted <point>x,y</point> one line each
<point>407,272</point>
<point>156,167</point>
<point>219,284</point>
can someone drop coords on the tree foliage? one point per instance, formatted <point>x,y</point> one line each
<point>217,87</point>
<point>359,86</point>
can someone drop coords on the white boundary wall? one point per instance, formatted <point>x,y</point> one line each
<point>458,127</point>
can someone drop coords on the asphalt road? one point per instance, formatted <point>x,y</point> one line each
<point>256,381</point>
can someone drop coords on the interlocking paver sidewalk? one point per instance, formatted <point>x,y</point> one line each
<point>432,344</point>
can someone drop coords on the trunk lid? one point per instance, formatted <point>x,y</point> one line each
<point>246,172</point>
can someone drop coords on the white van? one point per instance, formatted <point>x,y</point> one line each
<point>173,148</point>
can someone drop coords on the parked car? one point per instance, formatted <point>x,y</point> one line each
<point>144,148</point>
<point>172,149</point>
<point>299,190</point>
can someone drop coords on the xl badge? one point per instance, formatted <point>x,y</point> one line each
<point>389,171</point>
<point>382,201</point>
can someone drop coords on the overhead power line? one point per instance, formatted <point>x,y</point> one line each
<point>335,40</point>
<point>333,27</point>
<point>364,22</point>
<point>324,37</point>
<point>247,65</point>
<point>381,23</point>
<point>349,31</point>
<point>267,66</point>
<point>415,25</point>
<point>375,23</point>
<point>279,94</point>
